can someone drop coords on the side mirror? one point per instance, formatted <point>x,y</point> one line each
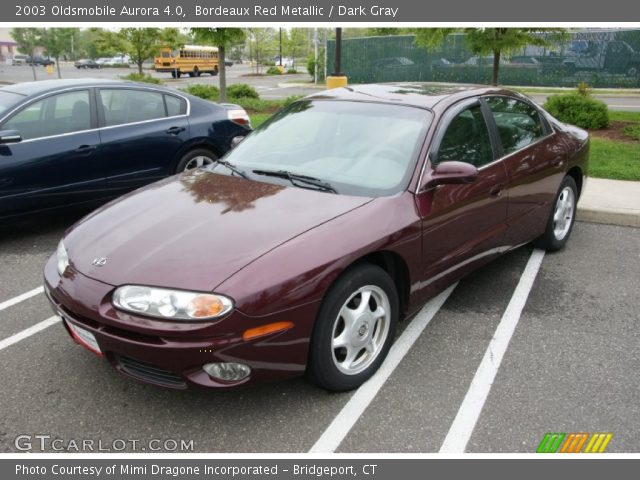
<point>236,140</point>
<point>447,173</point>
<point>9,136</point>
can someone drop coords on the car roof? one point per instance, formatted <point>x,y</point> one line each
<point>424,95</point>
<point>45,86</point>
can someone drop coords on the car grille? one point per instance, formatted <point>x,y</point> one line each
<point>149,373</point>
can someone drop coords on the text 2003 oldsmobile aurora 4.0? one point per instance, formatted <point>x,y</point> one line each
<point>303,248</point>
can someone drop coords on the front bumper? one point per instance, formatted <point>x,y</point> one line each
<point>171,353</point>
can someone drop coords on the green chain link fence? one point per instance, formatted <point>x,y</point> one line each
<point>601,58</point>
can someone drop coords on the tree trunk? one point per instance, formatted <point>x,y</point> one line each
<point>222,72</point>
<point>140,62</point>
<point>58,66</point>
<point>496,67</point>
<point>33,69</point>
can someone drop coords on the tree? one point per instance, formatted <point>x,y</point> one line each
<point>107,44</point>
<point>28,39</point>
<point>495,41</point>
<point>56,41</point>
<point>221,38</point>
<point>140,44</point>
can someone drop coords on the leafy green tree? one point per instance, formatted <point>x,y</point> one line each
<point>221,38</point>
<point>173,38</point>
<point>107,44</point>
<point>56,41</point>
<point>27,39</point>
<point>495,41</point>
<point>140,44</point>
<point>261,43</point>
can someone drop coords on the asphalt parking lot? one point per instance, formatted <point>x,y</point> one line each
<point>268,86</point>
<point>571,366</point>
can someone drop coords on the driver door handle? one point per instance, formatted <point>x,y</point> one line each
<point>175,130</point>
<point>496,191</point>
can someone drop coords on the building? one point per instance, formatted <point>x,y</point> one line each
<point>8,47</point>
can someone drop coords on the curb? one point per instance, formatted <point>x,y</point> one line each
<point>618,217</point>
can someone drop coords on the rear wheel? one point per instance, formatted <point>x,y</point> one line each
<point>354,330</point>
<point>562,217</point>
<point>197,158</point>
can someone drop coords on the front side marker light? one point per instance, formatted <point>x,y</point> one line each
<point>268,329</point>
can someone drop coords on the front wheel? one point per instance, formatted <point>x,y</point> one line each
<point>354,330</point>
<point>562,217</point>
<point>197,158</point>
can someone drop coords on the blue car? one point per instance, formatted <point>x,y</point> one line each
<point>77,142</point>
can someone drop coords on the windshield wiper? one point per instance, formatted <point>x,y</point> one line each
<point>297,179</point>
<point>231,167</point>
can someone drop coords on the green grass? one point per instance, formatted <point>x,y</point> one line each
<point>258,119</point>
<point>615,116</point>
<point>615,160</point>
<point>632,130</point>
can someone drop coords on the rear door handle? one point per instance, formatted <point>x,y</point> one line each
<point>86,149</point>
<point>175,130</point>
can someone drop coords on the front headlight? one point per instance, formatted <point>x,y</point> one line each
<point>62,258</point>
<point>171,304</point>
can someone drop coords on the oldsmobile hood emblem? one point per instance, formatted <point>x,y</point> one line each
<point>99,261</point>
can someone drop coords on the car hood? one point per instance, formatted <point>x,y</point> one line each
<point>195,230</point>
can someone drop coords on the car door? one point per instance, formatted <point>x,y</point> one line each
<point>54,164</point>
<point>142,132</point>
<point>534,160</point>
<point>463,225</point>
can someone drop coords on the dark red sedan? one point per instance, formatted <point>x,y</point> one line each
<point>303,248</point>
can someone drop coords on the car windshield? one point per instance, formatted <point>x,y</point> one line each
<point>357,148</point>
<point>8,100</point>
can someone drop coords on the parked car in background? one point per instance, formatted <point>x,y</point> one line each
<point>338,217</point>
<point>40,61</point>
<point>86,63</point>
<point>613,57</point>
<point>74,142</point>
<point>103,60</point>
<point>20,60</point>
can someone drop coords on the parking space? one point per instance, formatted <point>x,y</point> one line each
<point>571,366</point>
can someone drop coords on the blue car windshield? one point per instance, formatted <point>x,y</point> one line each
<point>359,148</point>
<point>8,100</point>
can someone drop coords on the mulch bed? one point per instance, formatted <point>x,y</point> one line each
<point>614,132</point>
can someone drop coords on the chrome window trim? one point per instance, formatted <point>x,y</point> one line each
<point>162,92</point>
<point>88,88</point>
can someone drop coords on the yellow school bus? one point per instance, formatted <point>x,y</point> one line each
<point>192,60</point>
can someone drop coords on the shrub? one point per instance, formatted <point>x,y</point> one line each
<point>290,99</point>
<point>267,63</point>
<point>274,71</point>
<point>137,77</point>
<point>208,92</point>
<point>292,70</point>
<point>577,109</point>
<point>242,90</point>
<point>632,130</point>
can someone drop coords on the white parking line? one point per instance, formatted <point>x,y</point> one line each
<point>7,342</point>
<point>330,440</point>
<point>20,298</point>
<point>471,407</point>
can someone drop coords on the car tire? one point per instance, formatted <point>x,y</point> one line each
<point>196,158</point>
<point>561,218</point>
<point>349,344</point>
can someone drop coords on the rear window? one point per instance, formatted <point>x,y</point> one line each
<point>8,100</point>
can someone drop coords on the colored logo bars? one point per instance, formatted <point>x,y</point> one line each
<point>573,443</point>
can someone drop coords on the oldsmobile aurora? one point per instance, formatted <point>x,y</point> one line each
<point>304,247</point>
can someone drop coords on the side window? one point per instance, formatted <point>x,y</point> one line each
<point>55,115</point>
<point>518,123</point>
<point>175,105</point>
<point>122,106</point>
<point>466,139</point>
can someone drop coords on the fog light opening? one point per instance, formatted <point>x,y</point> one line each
<point>227,371</point>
